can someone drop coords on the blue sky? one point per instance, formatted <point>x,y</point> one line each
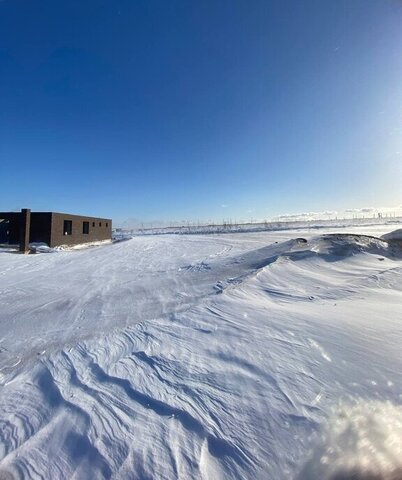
<point>200,109</point>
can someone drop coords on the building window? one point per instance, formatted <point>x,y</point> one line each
<point>85,228</point>
<point>93,224</point>
<point>100,224</point>
<point>107,224</point>
<point>68,227</point>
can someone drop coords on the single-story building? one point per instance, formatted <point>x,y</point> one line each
<point>51,228</point>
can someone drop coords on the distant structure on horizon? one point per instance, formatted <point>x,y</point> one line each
<point>54,229</point>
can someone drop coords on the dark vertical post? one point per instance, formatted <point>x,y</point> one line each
<point>25,228</point>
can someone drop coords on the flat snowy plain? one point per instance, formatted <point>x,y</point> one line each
<point>210,356</point>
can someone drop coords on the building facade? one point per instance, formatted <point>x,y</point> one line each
<point>52,228</point>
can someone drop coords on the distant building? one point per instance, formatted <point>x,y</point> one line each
<point>25,227</point>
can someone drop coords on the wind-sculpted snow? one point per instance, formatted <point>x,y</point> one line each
<point>202,357</point>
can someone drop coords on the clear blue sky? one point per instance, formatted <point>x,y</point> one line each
<point>200,109</point>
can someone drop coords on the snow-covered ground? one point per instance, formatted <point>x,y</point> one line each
<point>211,356</point>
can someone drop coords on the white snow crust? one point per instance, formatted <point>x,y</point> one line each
<point>270,355</point>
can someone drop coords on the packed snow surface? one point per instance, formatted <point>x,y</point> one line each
<point>250,356</point>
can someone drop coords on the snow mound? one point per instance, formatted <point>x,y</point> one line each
<point>309,254</point>
<point>395,236</point>
<point>343,245</point>
<point>330,247</point>
<point>40,247</point>
<point>362,441</point>
<point>83,246</point>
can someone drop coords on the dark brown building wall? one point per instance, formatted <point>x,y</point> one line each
<point>99,229</point>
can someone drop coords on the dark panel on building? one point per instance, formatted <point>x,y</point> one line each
<point>4,230</point>
<point>13,231</point>
<point>41,223</point>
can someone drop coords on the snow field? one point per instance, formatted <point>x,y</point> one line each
<point>199,357</point>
